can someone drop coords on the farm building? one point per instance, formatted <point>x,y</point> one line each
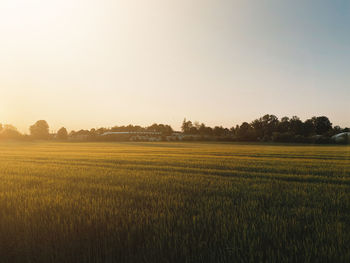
<point>343,137</point>
<point>133,136</point>
<point>131,133</point>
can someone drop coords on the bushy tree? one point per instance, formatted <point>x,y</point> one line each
<point>9,132</point>
<point>62,134</point>
<point>284,125</point>
<point>322,125</point>
<point>308,128</point>
<point>296,126</point>
<point>265,126</point>
<point>246,132</point>
<point>186,126</point>
<point>162,128</point>
<point>204,130</point>
<point>40,130</point>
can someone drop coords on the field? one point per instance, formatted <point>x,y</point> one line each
<point>174,202</point>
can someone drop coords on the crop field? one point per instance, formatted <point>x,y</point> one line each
<point>174,202</point>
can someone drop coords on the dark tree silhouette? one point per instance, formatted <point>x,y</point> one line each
<point>322,125</point>
<point>186,126</point>
<point>266,128</point>
<point>296,126</point>
<point>246,132</point>
<point>284,125</point>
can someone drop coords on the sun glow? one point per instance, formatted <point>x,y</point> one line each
<point>86,63</point>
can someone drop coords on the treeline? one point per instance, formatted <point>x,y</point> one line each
<point>268,128</point>
<point>40,131</point>
<point>163,129</point>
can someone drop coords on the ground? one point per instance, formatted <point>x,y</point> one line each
<point>174,202</point>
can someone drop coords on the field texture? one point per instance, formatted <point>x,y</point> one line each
<point>174,202</point>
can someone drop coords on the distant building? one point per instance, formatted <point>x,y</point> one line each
<point>131,133</point>
<point>134,136</point>
<point>343,137</point>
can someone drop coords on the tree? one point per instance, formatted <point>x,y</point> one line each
<point>296,125</point>
<point>308,128</point>
<point>336,130</point>
<point>220,131</point>
<point>322,125</point>
<point>204,130</point>
<point>9,132</point>
<point>246,132</point>
<point>284,125</point>
<point>265,126</point>
<point>164,129</point>
<point>62,134</point>
<point>40,130</point>
<point>186,126</point>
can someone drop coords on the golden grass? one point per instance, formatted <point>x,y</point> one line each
<point>174,202</point>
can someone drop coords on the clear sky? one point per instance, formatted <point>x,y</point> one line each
<point>92,63</point>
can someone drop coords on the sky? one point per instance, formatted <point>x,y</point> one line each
<point>85,64</point>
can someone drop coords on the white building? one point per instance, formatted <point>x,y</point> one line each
<point>343,137</point>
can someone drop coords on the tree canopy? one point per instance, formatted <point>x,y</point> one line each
<point>62,134</point>
<point>40,130</point>
<point>268,128</point>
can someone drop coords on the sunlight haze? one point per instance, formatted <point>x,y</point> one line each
<point>91,63</point>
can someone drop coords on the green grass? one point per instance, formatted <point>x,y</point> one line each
<point>174,202</point>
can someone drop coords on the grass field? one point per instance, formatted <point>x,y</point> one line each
<point>174,202</point>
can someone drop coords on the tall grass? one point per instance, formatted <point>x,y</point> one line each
<point>173,202</point>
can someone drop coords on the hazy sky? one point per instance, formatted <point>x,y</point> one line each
<point>92,63</point>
